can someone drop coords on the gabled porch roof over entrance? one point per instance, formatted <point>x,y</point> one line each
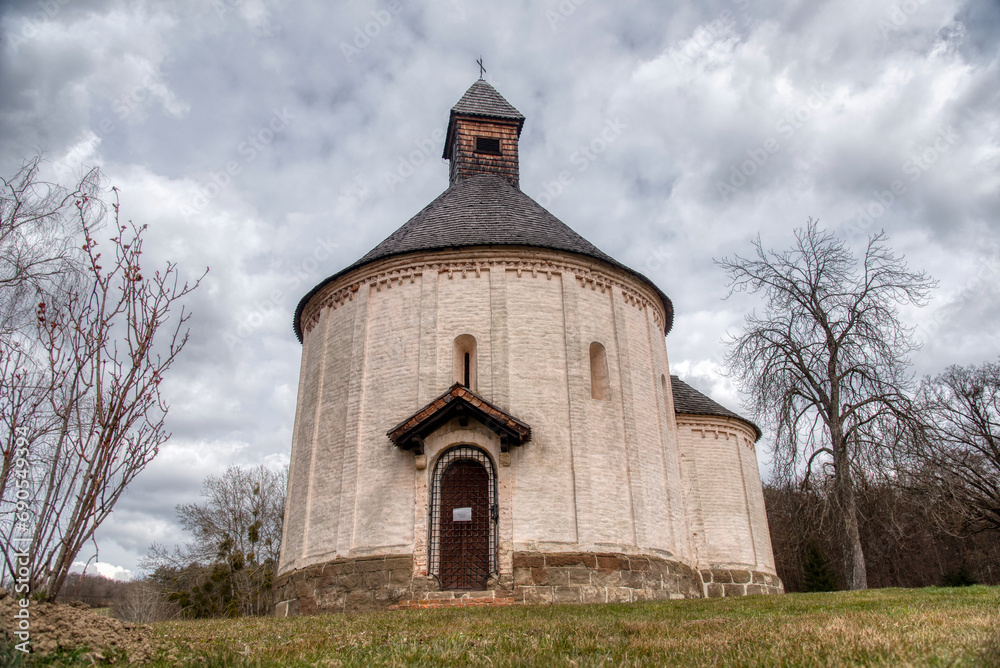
<point>462,403</point>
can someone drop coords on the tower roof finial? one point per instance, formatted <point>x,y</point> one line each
<point>482,70</point>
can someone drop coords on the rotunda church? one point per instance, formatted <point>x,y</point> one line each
<point>486,415</point>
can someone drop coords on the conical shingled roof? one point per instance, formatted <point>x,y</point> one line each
<point>483,99</point>
<point>483,210</point>
<point>689,401</point>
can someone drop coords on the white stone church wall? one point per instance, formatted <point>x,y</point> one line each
<point>599,476</point>
<point>724,496</point>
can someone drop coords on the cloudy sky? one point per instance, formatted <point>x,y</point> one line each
<point>276,142</point>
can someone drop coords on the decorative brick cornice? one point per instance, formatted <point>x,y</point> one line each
<point>718,427</point>
<point>384,276</point>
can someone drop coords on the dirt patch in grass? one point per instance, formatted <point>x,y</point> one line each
<point>67,628</point>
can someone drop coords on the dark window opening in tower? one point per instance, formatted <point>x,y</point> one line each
<point>465,361</point>
<point>600,385</point>
<point>488,145</point>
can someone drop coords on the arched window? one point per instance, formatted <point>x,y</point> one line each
<point>663,387</point>
<point>465,361</point>
<point>463,519</point>
<point>600,386</point>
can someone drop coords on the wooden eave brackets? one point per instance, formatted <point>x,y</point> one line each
<point>463,403</point>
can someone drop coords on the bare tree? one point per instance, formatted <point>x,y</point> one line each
<point>39,242</point>
<point>244,507</point>
<point>81,381</point>
<point>96,591</point>
<point>906,531</point>
<point>958,453</point>
<point>827,359</point>
<point>237,531</point>
<point>143,602</point>
<point>40,260</point>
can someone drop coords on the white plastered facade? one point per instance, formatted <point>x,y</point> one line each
<point>598,476</point>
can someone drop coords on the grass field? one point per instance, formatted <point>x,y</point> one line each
<point>889,627</point>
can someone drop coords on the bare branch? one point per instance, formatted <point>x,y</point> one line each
<point>828,357</point>
<point>82,355</point>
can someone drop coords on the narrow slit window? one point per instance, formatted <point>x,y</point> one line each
<point>600,386</point>
<point>465,361</point>
<point>488,145</point>
<point>663,388</point>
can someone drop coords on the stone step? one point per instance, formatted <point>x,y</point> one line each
<point>463,602</point>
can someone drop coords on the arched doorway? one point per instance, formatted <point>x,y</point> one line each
<point>463,519</point>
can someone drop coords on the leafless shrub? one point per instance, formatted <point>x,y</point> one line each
<point>143,602</point>
<point>229,567</point>
<point>86,337</point>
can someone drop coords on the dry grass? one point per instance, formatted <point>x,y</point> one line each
<point>890,627</point>
<point>894,627</point>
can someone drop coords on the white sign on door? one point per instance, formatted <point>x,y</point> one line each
<point>461,515</point>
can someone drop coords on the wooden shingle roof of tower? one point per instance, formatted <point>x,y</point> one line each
<point>689,401</point>
<point>484,101</point>
<point>483,205</point>
<point>483,116</point>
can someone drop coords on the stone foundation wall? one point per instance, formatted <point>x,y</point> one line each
<point>387,582</point>
<point>720,582</point>
<point>600,578</point>
<point>348,585</point>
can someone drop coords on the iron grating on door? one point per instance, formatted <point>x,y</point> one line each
<point>463,519</point>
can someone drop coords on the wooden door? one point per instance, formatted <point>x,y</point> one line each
<point>464,528</point>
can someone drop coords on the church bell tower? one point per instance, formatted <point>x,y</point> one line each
<point>483,130</point>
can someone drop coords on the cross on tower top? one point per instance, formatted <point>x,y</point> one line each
<point>482,70</point>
